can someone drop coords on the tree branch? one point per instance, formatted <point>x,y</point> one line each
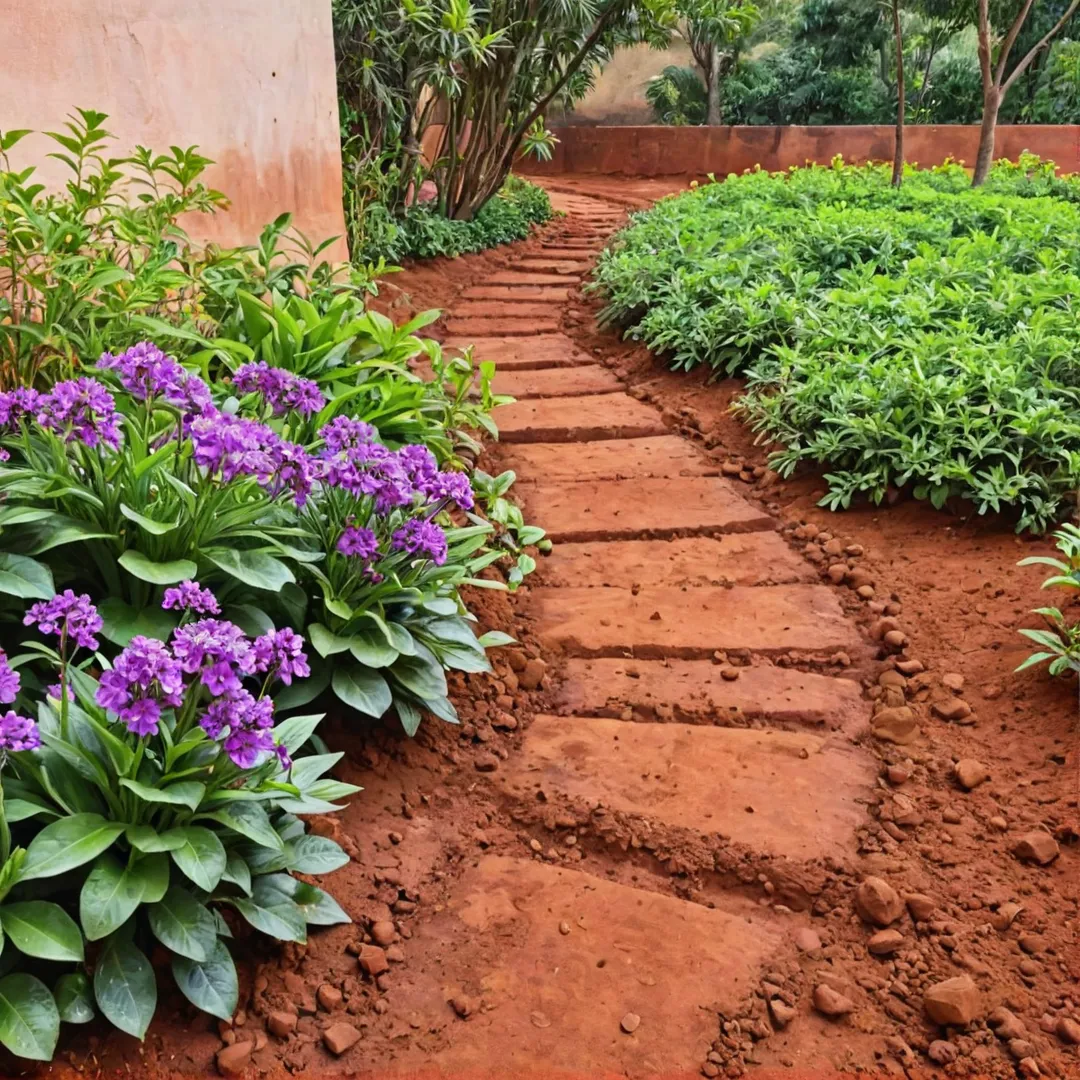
<point>1041,44</point>
<point>1010,40</point>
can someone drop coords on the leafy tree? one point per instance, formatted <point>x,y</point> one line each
<point>714,30</point>
<point>677,96</point>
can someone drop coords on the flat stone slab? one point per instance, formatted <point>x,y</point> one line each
<point>516,292</point>
<point>691,624</point>
<point>555,1001</point>
<point>540,264</point>
<point>602,416</point>
<point>757,558</point>
<point>782,793</point>
<point>504,326</point>
<point>632,509</point>
<point>523,354</point>
<point>696,692</point>
<point>508,309</point>
<point>607,459</point>
<point>525,277</point>
<point>556,382</point>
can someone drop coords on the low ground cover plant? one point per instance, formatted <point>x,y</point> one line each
<point>919,337</point>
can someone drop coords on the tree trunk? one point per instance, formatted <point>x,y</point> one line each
<point>991,105</point>
<point>712,87</point>
<point>898,152</point>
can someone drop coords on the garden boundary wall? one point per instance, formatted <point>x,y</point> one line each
<point>252,82</point>
<point>696,151</point>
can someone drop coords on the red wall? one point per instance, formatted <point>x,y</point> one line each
<point>669,151</point>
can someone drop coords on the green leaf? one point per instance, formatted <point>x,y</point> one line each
<point>250,820</point>
<point>210,985</point>
<point>494,639</point>
<point>255,569</point>
<point>202,858</point>
<point>282,920</point>
<point>121,622</point>
<point>154,528</point>
<point>187,793</point>
<point>364,690</point>
<point>74,999</point>
<point>68,843</point>
<point>422,674</point>
<point>238,872</point>
<point>183,924</point>
<point>316,855</point>
<point>370,647</point>
<point>157,573</point>
<point>148,840</point>
<point>42,929</point>
<point>124,986</point>
<point>25,578</point>
<point>152,872</point>
<point>29,1020</point>
<point>42,536</point>
<point>324,642</point>
<point>319,908</point>
<point>109,897</point>
<point>296,730</point>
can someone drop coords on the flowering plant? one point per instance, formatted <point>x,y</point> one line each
<point>140,804</point>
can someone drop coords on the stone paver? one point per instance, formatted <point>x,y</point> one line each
<point>646,507</point>
<point>696,691</point>
<point>516,292</point>
<point>502,326</point>
<point>666,621</point>
<point>601,416</point>
<point>515,278</point>
<point>556,382</point>
<point>539,264</point>
<point>556,1000</point>
<point>606,459</point>
<point>757,558</point>
<point>499,309</point>
<point>532,353</point>
<point>791,794</point>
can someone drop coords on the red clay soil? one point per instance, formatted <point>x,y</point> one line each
<point>758,793</point>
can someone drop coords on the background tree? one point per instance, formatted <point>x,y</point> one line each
<point>898,149</point>
<point>714,30</point>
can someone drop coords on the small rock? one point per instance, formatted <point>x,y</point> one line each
<point>373,960</point>
<point>233,1060</point>
<point>955,1001</point>
<point>710,1070</point>
<point>1068,1031</point>
<point>885,942</point>
<point>942,1052</point>
<point>1006,1024</point>
<point>865,592</point>
<point>533,673</point>
<point>1032,944</point>
<point>807,940</point>
<point>895,639</point>
<point>328,997</point>
<point>395,954</point>
<point>281,1023</point>
<point>920,906</point>
<point>878,902</point>
<point>953,681</point>
<point>910,667</point>
<point>999,823</point>
<point>730,674</point>
<point>1029,1067</point>
<point>337,1038</point>
<point>630,1023</point>
<point>897,775</point>
<point>383,932</point>
<point>1021,1048</point>
<point>970,773</point>
<point>486,763</point>
<point>463,1007</point>
<point>831,1002</point>
<point>564,928</point>
<point>896,725</point>
<point>782,1013</point>
<point>1037,846</point>
<point>954,709</point>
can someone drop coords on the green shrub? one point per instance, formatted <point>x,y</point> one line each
<point>921,336</point>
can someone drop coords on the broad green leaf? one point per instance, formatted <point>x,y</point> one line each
<point>422,674</point>
<point>316,855</point>
<point>324,642</point>
<point>68,843</point>
<point>238,872</point>
<point>255,569</point>
<point>494,639</point>
<point>369,646</point>
<point>74,998</point>
<point>364,690</point>
<point>250,820</point>
<point>187,793</point>
<point>109,897</point>
<point>148,840</point>
<point>121,622</point>
<point>153,872</point>
<point>319,908</point>
<point>29,1020</point>
<point>124,986</point>
<point>154,528</point>
<point>183,924</point>
<point>157,573</point>
<point>25,578</point>
<point>210,985</point>
<point>202,858</point>
<point>283,920</point>
<point>42,929</point>
<point>296,730</point>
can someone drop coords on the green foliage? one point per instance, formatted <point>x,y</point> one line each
<point>1060,642</point>
<point>919,337</point>
<point>677,96</point>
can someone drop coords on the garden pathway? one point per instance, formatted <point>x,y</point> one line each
<point>668,597</point>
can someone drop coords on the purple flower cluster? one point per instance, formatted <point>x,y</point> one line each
<point>421,538</point>
<point>145,677</point>
<point>281,654</point>
<point>10,680</point>
<point>187,596</point>
<point>146,372</point>
<point>217,650</point>
<point>343,433</point>
<point>358,543</point>
<point>243,723</point>
<point>282,390</point>
<point>82,410</point>
<point>15,404</point>
<point>71,618</point>
<point>18,733</point>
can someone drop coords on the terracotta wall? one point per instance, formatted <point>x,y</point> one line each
<point>250,81</point>
<point>668,151</point>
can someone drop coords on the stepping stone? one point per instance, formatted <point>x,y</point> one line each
<point>540,265</point>
<point>639,509</point>
<point>504,326</point>
<point>524,277</point>
<point>516,292</point>
<point>603,416</point>
<point>667,621</point>
<point>780,793</point>
<point>697,693</point>
<point>523,354</point>
<point>502,309</point>
<point>607,459</point>
<point>556,1000</point>
<point>554,382</point>
<point>570,254</point>
<point>757,558</point>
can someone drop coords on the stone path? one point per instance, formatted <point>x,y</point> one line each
<point>669,597</point>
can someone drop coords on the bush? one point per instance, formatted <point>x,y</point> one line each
<point>677,96</point>
<point>920,336</point>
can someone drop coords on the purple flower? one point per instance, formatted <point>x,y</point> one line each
<point>69,617</point>
<point>18,733</point>
<point>144,370</point>
<point>453,486</point>
<point>358,543</point>
<point>15,404</point>
<point>244,723</point>
<point>81,410</point>
<point>422,538</point>
<point>189,597</point>
<point>281,652</point>
<point>283,755</point>
<point>144,677</point>
<point>9,681</point>
<point>282,390</point>
<point>345,433</point>
<point>57,692</point>
<point>370,470</point>
<point>5,455</point>
<point>295,470</point>
<point>247,745</point>
<point>419,464</point>
<point>218,650</point>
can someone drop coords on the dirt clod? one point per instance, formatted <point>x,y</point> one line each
<point>232,1060</point>
<point>953,1002</point>
<point>970,773</point>
<point>878,902</point>
<point>1036,846</point>
<point>830,1002</point>
<point>339,1037</point>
